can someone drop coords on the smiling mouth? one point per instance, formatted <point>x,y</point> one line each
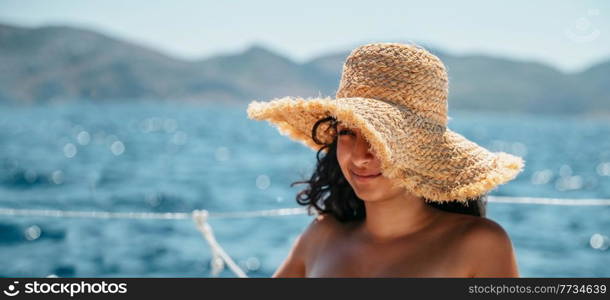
<point>365,176</point>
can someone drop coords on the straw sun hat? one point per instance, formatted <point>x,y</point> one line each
<point>396,94</point>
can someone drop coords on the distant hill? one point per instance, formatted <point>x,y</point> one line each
<point>54,63</point>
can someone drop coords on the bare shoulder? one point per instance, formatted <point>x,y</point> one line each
<point>474,229</point>
<point>483,231</point>
<point>320,228</point>
<point>487,248</point>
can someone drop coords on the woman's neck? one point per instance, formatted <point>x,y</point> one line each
<point>397,217</point>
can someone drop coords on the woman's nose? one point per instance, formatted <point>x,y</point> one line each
<point>360,152</point>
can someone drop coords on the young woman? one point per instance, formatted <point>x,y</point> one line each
<point>397,193</point>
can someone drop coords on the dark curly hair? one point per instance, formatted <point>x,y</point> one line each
<point>328,191</point>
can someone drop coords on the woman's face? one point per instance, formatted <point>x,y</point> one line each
<point>361,168</point>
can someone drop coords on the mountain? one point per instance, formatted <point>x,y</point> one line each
<point>261,73</point>
<point>55,63</point>
<point>595,86</point>
<point>61,62</point>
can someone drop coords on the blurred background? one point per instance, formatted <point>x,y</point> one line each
<point>139,106</point>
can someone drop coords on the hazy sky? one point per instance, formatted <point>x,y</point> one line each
<point>569,35</point>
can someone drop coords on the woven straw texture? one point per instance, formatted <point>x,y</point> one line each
<point>396,94</point>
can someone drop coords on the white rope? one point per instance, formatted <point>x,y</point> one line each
<point>146,215</point>
<point>260,213</point>
<point>200,217</point>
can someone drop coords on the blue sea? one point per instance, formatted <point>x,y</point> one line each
<point>176,157</point>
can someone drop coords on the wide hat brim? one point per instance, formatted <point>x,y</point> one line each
<point>429,159</point>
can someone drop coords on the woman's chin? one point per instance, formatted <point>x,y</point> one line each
<point>369,195</point>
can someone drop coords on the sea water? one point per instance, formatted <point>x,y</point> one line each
<point>152,156</point>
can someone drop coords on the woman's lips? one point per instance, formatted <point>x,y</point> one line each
<point>364,177</point>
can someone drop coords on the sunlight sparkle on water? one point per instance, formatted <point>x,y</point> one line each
<point>179,138</point>
<point>252,264</point>
<point>70,150</point>
<point>57,177</point>
<point>603,169</point>
<point>542,177</point>
<point>263,182</point>
<point>83,138</point>
<point>117,148</point>
<point>599,241</point>
<point>32,232</point>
